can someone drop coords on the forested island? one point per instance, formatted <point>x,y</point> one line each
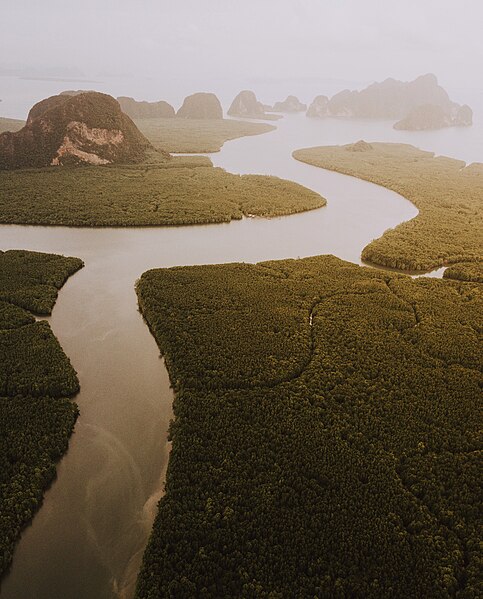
<point>36,380</point>
<point>124,179</point>
<point>174,191</point>
<point>325,441</point>
<point>447,192</point>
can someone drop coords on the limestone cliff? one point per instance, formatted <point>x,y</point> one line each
<point>201,106</point>
<point>145,110</point>
<point>88,128</point>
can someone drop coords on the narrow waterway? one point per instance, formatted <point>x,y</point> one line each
<point>87,539</point>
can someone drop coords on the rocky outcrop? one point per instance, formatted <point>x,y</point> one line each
<point>390,99</point>
<point>145,110</point>
<point>247,105</point>
<point>419,104</point>
<point>291,104</point>
<point>359,146</point>
<point>88,128</point>
<point>431,116</point>
<point>201,106</point>
<point>319,107</point>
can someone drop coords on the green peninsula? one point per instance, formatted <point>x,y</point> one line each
<point>447,193</point>
<point>325,440</point>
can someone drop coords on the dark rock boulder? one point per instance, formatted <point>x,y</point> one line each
<point>201,106</point>
<point>88,128</point>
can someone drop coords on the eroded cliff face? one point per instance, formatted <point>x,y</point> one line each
<point>79,136</point>
<point>88,128</point>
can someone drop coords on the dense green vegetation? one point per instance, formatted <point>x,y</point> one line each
<point>177,191</point>
<point>325,441</point>
<point>465,271</point>
<point>36,418</point>
<point>448,196</point>
<point>196,135</point>
<point>32,280</point>
<point>10,124</point>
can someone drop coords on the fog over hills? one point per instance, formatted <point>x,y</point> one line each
<point>151,50</point>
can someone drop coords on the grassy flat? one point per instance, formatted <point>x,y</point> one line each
<point>175,191</point>
<point>325,441</point>
<point>449,198</point>
<point>196,135</point>
<point>36,418</point>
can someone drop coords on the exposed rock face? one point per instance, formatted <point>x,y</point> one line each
<point>201,106</point>
<point>88,128</point>
<point>359,146</point>
<point>247,105</point>
<point>431,116</point>
<point>146,110</point>
<point>319,107</point>
<point>291,104</point>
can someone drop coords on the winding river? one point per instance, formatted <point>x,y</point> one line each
<point>87,539</point>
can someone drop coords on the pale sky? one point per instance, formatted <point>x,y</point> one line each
<point>357,40</point>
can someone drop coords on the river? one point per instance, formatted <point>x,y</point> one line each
<point>87,539</point>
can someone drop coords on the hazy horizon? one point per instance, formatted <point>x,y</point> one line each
<point>154,50</point>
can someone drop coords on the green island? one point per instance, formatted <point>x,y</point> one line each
<point>196,135</point>
<point>179,190</point>
<point>325,440</point>
<point>36,381</point>
<point>447,193</point>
